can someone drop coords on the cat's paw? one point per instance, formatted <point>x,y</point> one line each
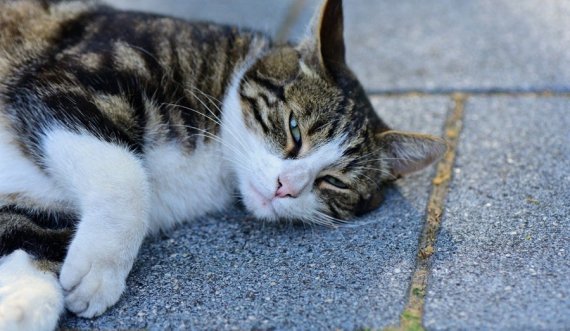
<point>29,298</point>
<point>92,282</point>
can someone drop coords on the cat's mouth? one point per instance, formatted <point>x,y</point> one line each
<point>261,205</point>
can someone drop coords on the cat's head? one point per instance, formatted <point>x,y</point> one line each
<point>304,140</point>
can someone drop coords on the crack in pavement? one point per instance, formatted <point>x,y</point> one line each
<point>411,317</point>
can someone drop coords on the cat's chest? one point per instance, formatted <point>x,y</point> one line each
<point>186,185</point>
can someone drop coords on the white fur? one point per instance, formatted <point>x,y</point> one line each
<point>258,168</point>
<point>111,192</point>
<point>186,186</point>
<point>19,175</point>
<point>30,300</point>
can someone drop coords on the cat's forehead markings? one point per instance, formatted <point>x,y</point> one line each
<point>128,58</point>
<point>249,90</point>
<point>327,154</point>
<point>91,61</point>
<point>252,90</point>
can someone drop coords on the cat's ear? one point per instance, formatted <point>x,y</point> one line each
<point>408,152</point>
<point>328,35</point>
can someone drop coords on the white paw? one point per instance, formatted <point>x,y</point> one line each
<point>92,281</point>
<point>29,299</point>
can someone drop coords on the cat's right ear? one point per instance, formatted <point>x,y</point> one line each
<point>409,152</point>
<point>327,36</point>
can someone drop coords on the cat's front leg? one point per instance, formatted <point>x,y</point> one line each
<point>110,187</point>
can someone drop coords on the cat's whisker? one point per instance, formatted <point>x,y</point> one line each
<point>205,133</point>
<point>358,224</point>
<point>238,154</point>
<point>332,219</point>
<point>314,220</point>
<point>323,219</point>
<point>210,98</point>
<point>237,164</point>
<point>216,119</point>
<point>364,160</point>
<point>374,182</point>
<point>206,106</point>
<point>381,171</point>
<point>146,52</point>
<point>219,120</point>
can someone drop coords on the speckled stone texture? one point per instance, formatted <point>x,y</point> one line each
<point>243,13</point>
<point>503,254</point>
<point>450,44</point>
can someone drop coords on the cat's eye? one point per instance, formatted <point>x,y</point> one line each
<point>294,128</point>
<point>335,182</point>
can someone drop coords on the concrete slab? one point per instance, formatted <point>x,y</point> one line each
<point>232,272</point>
<point>503,254</point>
<point>244,13</point>
<point>449,44</point>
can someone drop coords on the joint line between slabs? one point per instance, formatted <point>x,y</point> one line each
<point>411,318</point>
<point>468,93</point>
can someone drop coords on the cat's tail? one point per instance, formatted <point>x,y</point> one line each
<point>30,295</point>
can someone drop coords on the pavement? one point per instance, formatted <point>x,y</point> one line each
<point>480,241</point>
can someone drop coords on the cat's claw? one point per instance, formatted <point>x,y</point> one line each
<point>91,283</point>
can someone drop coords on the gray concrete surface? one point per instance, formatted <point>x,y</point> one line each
<point>450,44</point>
<point>232,272</point>
<point>255,14</point>
<point>503,254</point>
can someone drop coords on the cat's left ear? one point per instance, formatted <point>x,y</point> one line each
<point>409,152</point>
<point>328,36</point>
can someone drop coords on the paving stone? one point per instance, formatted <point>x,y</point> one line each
<point>244,13</point>
<point>503,253</point>
<point>449,44</point>
<point>232,272</point>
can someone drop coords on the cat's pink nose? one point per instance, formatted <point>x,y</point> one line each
<point>287,188</point>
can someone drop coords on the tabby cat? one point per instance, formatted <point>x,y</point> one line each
<point>117,124</point>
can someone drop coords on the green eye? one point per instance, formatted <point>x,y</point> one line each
<point>335,182</point>
<point>295,131</point>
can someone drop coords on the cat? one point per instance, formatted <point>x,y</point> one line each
<point>116,124</point>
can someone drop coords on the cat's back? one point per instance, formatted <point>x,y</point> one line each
<point>94,36</point>
<point>122,67</point>
<point>28,28</point>
<point>31,30</point>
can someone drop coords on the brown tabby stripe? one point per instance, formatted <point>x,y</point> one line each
<point>20,231</point>
<point>317,126</point>
<point>277,90</point>
<point>256,112</point>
